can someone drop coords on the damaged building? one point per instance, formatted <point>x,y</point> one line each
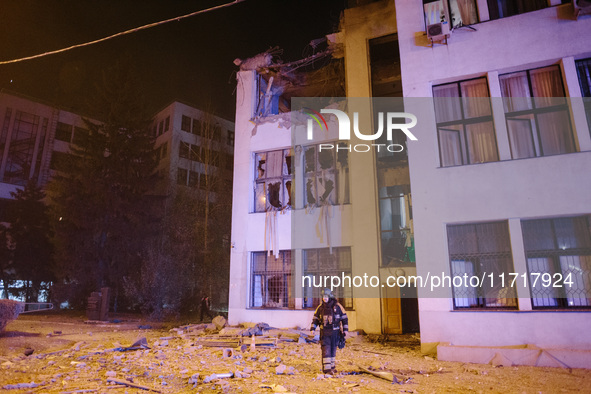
<point>494,189</point>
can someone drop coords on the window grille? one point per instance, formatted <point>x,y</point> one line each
<point>326,179</point>
<point>271,280</point>
<point>320,262</point>
<point>481,249</point>
<point>555,249</point>
<point>273,180</point>
<point>536,112</point>
<point>465,129</point>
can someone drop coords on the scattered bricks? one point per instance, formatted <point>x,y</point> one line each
<point>247,370</point>
<point>227,353</point>
<point>111,374</point>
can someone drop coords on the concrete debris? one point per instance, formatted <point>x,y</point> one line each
<point>219,322</point>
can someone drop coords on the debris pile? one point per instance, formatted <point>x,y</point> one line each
<point>217,358</point>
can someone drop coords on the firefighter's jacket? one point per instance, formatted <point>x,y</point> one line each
<point>330,316</point>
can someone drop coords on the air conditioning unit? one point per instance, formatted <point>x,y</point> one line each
<point>582,7</point>
<point>439,31</point>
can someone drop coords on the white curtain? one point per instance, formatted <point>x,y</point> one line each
<point>450,147</point>
<point>520,137</point>
<point>481,142</point>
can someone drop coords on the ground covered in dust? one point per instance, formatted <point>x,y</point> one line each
<point>67,355</point>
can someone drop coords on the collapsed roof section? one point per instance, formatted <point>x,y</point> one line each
<point>321,74</point>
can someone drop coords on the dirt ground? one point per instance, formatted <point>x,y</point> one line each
<point>70,356</point>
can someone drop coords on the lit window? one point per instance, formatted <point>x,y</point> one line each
<point>465,129</point>
<point>536,111</point>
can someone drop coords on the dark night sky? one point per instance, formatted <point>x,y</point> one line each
<point>190,60</point>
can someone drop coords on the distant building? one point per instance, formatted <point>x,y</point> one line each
<point>35,133</point>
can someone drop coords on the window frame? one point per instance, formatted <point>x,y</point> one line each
<point>463,143</point>
<point>478,257</point>
<point>285,294</point>
<point>535,111</point>
<point>334,172</point>
<point>554,258</point>
<point>261,179</point>
<point>345,298</point>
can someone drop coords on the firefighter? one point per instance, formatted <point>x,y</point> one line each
<point>333,322</point>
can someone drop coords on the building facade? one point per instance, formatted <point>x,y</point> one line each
<point>496,184</point>
<point>502,187</point>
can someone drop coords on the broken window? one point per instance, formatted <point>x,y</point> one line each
<point>271,280</point>
<point>273,180</point>
<point>476,250</point>
<point>319,263</point>
<point>326,179</point>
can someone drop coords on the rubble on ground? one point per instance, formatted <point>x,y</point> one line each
<point>217,358</point>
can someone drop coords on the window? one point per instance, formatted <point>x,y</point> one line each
<point>461,12</point>
<point>160,127</point>
<point>536,112</point>
<point>193,179</point>
<point>230,140</point>
<point>556,248</point>
<point>22,148</point>
<point>163,150</point>
<point>80,135</point>
<point>63,132</point>
<point>481,249</point>
<point>396,239</point>
<point>194,152</point>
<point>464,123</point>
<point>320,262</point>
<point>273,180</point>
<point>181,176</point>
<point>326,179</point>
<point>184,149</point>
<point>271,280</point>
<point>186,124</point>
<point>166,123</point>
<point>196,127</point>
<point>584,72</point>
<point>504,8</point>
